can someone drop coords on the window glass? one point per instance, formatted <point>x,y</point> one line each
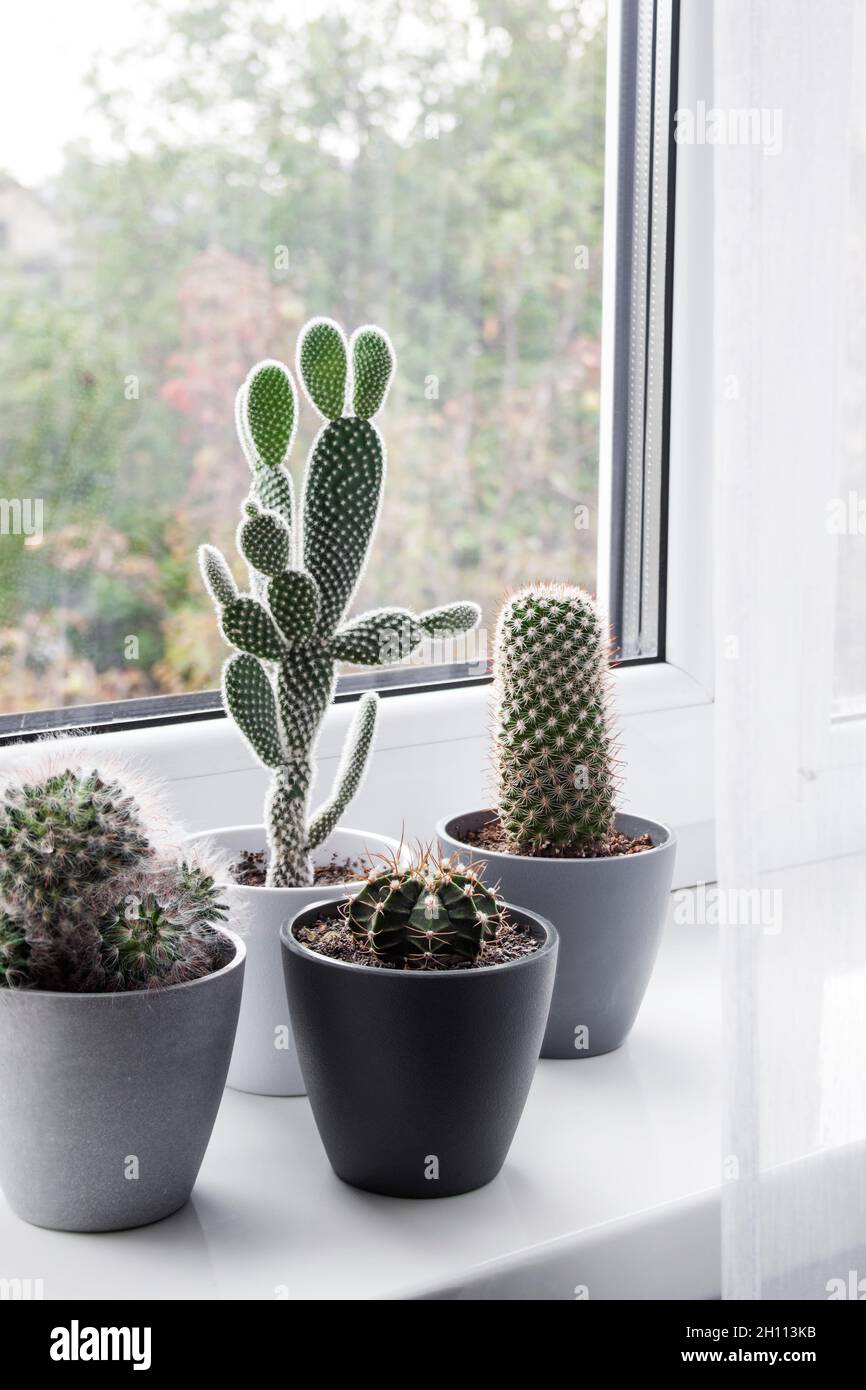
<point>184,185</point>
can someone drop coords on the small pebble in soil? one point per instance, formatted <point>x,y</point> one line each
<point>251,870</point>
<point>331,937</point>
<point>493,837</point>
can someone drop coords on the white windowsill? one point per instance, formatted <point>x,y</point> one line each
<point>432,758</point>
<point>612,1183</point>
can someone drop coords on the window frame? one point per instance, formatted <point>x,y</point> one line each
<point>634,27</point>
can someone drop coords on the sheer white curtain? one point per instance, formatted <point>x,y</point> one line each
<point>789,266</point>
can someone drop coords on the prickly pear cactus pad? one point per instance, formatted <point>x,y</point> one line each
<point>290,630</point>
<point>554,750</point>
<point>439,913</point>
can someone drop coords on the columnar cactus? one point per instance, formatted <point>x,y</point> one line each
<point>436,914</point>
<point>290,631</point>
<point>554,750</point>
<point>88,901</point>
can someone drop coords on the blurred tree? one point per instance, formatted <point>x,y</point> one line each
<point>433,165</point>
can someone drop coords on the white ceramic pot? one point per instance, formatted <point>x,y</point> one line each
<point>265,1060</point>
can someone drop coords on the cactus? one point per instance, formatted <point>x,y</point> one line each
<point>554,750</point>
<point>436,914</point>
<point>161,933</point>
<point>14,951</point>
<point>63,836</point>
<point>290,631</point>
<point>89,902</point>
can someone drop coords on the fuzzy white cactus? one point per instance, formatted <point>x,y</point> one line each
<point>289,630</point>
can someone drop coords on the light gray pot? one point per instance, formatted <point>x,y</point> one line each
<point>609,914</point>
<point>265,1060</point>
<point>107,1101</point>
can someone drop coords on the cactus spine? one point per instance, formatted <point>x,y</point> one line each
<point>290,631</point>
<point>554,750</point>
<point>88,902</point>
<point>14,950</point>
<point>434,915</point>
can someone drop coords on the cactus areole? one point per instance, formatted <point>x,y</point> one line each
<point>290,630</point>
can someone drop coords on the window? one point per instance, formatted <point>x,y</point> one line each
<point>643,280</point>
<point>211,176</point>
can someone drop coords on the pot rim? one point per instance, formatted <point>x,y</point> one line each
<point>548,946</point>
<point>482,855</point>
<point>118,996</point>
<point>201,836</point>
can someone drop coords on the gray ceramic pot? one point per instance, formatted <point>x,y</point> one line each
<point>417,1079</point>
<point>108,1100</point>
<point>609,914</point>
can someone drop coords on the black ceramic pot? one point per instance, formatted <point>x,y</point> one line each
<point>417,1079</point>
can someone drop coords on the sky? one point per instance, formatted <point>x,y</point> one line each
<point>46,47</point>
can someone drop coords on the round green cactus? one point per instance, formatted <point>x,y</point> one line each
<point>64,836</point>
<point>555,751</point>
<point>436,914</point>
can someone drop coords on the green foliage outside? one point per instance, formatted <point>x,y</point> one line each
<point>433,167</point>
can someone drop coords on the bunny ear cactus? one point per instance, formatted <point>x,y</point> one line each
<point>290,630</point>
<point>554,753</point>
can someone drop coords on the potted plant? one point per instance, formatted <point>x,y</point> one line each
<point>419,1005</point>
<point>555,837</point>
<point>119,996</point>
<point>290,634</point>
